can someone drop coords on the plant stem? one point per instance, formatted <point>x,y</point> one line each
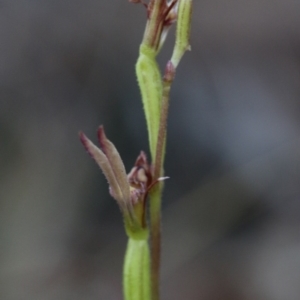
<point>156,194</point>
<point>162,132</point>
<point>155,96</point>
<point>136,276</point>
<point>182,44</point>
<point>155,220</point>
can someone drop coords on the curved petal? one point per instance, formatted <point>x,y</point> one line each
<point>105,166</point>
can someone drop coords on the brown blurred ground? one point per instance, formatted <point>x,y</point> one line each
<point>232,205</point>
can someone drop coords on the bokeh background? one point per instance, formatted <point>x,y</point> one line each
<point>231,211</point>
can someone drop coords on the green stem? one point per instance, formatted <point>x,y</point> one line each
<point>136,276</point>
<point>155,220</point>
<point>156,194</point>
<point>155,96</point>
<point>162,131</point>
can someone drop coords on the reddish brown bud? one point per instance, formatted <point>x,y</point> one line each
<point>169,72</point>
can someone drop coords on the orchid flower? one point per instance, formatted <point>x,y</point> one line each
<point>130,191</point>
<point>141,270</point>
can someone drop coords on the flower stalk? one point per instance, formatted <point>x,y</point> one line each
<point>161,14</point>
<point>142,266</point>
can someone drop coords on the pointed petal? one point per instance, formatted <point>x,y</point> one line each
<point>104,165</point>
<point>116,163</point>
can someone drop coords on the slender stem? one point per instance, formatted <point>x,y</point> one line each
<point>181,45</point>
<point>152,93</point>
<point>155,219</point>
<point>155,197</point>
<point>162,132</point>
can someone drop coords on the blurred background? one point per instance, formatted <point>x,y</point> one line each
<point>232,206</point>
